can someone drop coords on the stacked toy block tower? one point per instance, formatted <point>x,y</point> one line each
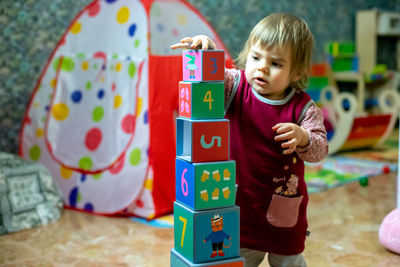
<point>206,220</point>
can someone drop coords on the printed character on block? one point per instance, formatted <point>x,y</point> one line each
<point>207,185</point>
<point>207,235</point>
<point>203,65</point>
<point>202,140</point>
<point>199,100</point>
<point>178,260</point>
<point>217,236</point>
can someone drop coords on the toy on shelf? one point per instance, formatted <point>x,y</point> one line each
<point>206,220</point>
<point>389,231</point>
<point>353,130</point>
<point>320,78</point>
<point>342,56</point>
<point>353,121</point>
<point>371,28</point>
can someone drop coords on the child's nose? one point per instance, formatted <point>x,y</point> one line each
<point>263,67</point>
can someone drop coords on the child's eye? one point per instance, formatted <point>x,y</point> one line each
<point>276,64</point>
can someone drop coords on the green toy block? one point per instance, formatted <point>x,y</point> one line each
<point>201,100</point>
<point>207,185</point>
<point>340,49</point>
<point>207,235</point>
<point>318,82</point>
<point>343,63</point>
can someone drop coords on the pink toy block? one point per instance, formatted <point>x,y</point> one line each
<point>203,65</point>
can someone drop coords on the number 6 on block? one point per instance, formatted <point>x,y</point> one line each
<point>184,184</point>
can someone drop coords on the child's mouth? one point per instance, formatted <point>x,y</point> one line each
<point>260,80</point>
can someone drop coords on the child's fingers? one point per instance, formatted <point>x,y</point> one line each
<point>205,43</point>
<point>281,128</point>
<point>289,146</point>
<point>196,42</point>
<point>288,151</point>
<point>277,126</point>
<point>289,143</point>
<point>184,43</point>
<point>187,40</point>
<point>283,136</point>
<point>179,45</point>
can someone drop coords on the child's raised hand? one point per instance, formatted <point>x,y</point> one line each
<point>294,134</point>
<point>195,42</point>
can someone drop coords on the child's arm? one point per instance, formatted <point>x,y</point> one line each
<point>317,149</point>
<point>308,139</point>
<point>231,82</point>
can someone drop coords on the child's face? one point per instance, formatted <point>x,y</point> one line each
<point>268,70</point>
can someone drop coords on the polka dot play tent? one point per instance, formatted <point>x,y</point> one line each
<point>102,115</point>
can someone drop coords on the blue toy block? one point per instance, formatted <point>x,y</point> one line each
<point>199,100</point>
<point>178,260</point>
<point>202,236</point>
<point>315,94</point>
<point>202,140</point>
<point>203,65</point>
<point>208,185</point>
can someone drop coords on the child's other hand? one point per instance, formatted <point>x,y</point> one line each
<point>294,134</point>
<point>195,42</point>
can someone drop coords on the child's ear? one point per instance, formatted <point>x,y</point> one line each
<point>296,77</point>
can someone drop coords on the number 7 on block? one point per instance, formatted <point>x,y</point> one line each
<point>183,229</point>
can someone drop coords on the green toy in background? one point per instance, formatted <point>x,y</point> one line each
<point>342,56</point>
<point>206,219</point>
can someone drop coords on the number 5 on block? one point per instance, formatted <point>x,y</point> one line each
<point>202,140</point>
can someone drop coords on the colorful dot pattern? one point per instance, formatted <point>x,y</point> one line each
<point>94,100</point>
<point>171,21</point>
<point>86,119</point>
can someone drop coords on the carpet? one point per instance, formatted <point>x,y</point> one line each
<point>353,166</point>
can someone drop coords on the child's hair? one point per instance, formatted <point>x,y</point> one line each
<point>283,29</point>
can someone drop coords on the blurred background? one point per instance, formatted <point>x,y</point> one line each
<point>30,30</point>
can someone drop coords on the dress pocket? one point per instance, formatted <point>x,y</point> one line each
<point>284,211</point>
